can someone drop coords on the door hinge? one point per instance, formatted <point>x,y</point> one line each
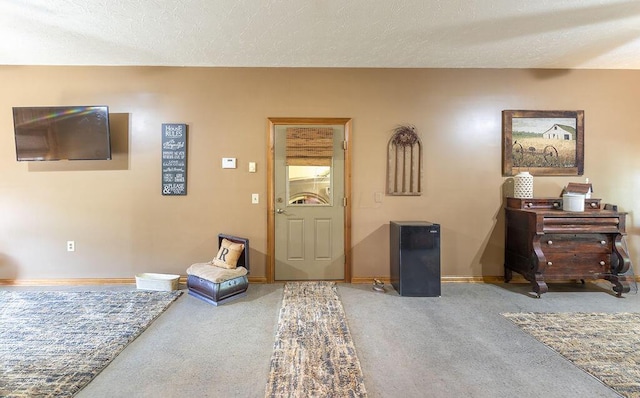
<point>344,145</point>
<point>344,202</point>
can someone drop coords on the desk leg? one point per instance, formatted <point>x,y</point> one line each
<point>539,285</point>
<point>620,285</point>
<point>508,274</point>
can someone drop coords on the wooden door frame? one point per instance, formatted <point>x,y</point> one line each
<point>271,225</point>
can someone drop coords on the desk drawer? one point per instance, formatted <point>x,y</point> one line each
<point>548,204</point>
<point>576,243</point>
<point>576,265</point>
<point>568,225</point>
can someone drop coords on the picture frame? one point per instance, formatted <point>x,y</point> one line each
<point>544,143</point>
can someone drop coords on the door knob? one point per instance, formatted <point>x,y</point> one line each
<point>280,211</point>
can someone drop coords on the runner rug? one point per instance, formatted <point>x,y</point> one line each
<point>603,345</point>
<point>313,355</point>
<point>52,343</point>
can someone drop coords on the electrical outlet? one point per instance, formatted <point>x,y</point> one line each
<point>71,246</point>
<point>255,198</point>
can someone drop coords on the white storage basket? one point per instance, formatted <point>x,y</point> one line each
<point>151,281</point>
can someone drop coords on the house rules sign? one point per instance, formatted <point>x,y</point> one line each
<point>174,159</point>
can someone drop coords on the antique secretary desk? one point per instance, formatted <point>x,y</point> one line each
<point>544,242</point>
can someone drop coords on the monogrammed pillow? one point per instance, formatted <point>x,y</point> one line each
<point>228,254</point>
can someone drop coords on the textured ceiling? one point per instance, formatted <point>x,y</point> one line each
<point>594,34</point>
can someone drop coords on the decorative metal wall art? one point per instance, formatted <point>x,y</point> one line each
<point>404,167</point>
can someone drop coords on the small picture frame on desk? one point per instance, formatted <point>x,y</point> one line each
<point>543,142</point>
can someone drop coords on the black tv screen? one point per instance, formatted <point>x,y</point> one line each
<point>62,133</point>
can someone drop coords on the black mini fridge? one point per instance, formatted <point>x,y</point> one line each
<point>415,258</point>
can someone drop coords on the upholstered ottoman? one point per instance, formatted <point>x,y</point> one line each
<point>225,277</point>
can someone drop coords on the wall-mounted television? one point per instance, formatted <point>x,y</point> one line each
<point>62,133</point>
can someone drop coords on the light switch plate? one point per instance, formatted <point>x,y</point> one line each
<point>228,163</point>
<point>252,167</point>
<point>255,198</point>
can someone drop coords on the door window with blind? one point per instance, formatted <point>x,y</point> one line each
<point>309,160</point>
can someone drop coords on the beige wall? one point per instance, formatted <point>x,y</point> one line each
<point>122,225</point>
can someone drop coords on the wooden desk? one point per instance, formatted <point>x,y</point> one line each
<point>543,242</point>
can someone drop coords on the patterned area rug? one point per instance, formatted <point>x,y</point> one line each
<point>604,345</point>
<point>313,355</point>
<point>52,343</point>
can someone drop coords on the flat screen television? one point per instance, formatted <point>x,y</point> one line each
<point>62,133</point>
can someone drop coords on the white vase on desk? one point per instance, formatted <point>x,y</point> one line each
<point>523,185</point>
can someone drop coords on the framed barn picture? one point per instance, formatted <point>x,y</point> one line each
<point>543,142</point>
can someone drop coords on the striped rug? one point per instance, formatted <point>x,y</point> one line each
<point>313,355</point>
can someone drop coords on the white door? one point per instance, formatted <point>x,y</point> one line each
<point>309,197</point>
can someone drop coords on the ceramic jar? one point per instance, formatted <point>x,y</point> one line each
<point>523,185</point>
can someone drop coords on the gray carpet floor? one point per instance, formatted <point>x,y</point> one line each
<point>457,345</point>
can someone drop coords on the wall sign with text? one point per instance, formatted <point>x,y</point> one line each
<point>174,159</point>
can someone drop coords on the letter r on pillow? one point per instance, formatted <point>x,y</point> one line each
<point>223,254</point>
